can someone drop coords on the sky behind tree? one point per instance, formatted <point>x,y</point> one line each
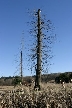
<point>14,15</point>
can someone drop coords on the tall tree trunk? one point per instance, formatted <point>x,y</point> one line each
<point>38,69</point>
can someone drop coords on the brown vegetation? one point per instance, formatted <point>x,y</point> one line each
<point>51,96</point>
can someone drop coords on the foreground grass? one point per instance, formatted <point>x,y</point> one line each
<point>51,96</point>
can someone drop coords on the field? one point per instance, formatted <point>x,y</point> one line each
<point>51,96</point>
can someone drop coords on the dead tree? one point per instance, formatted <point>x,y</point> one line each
<point>21,69</point>
<point>38,70</point>
<point>41,51</point>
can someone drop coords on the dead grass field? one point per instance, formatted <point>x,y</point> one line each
<point>51,96</point>
<point>43,85</point>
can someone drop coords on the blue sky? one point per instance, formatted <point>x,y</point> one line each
<point>13,21</point>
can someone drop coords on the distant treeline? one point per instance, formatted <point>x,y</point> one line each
<point>10,81</point>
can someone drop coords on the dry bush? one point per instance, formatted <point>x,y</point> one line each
<point>51,96</point>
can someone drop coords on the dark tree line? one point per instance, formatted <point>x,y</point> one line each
<point>64,77</point>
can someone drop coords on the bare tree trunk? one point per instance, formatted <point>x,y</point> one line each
<point>21,69</point>
<point>38,69</point>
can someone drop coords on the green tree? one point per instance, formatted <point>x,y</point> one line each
<point>16,80</point>
<point>63,77</point>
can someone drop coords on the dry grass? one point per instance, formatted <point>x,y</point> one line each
<point>51,96</point>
